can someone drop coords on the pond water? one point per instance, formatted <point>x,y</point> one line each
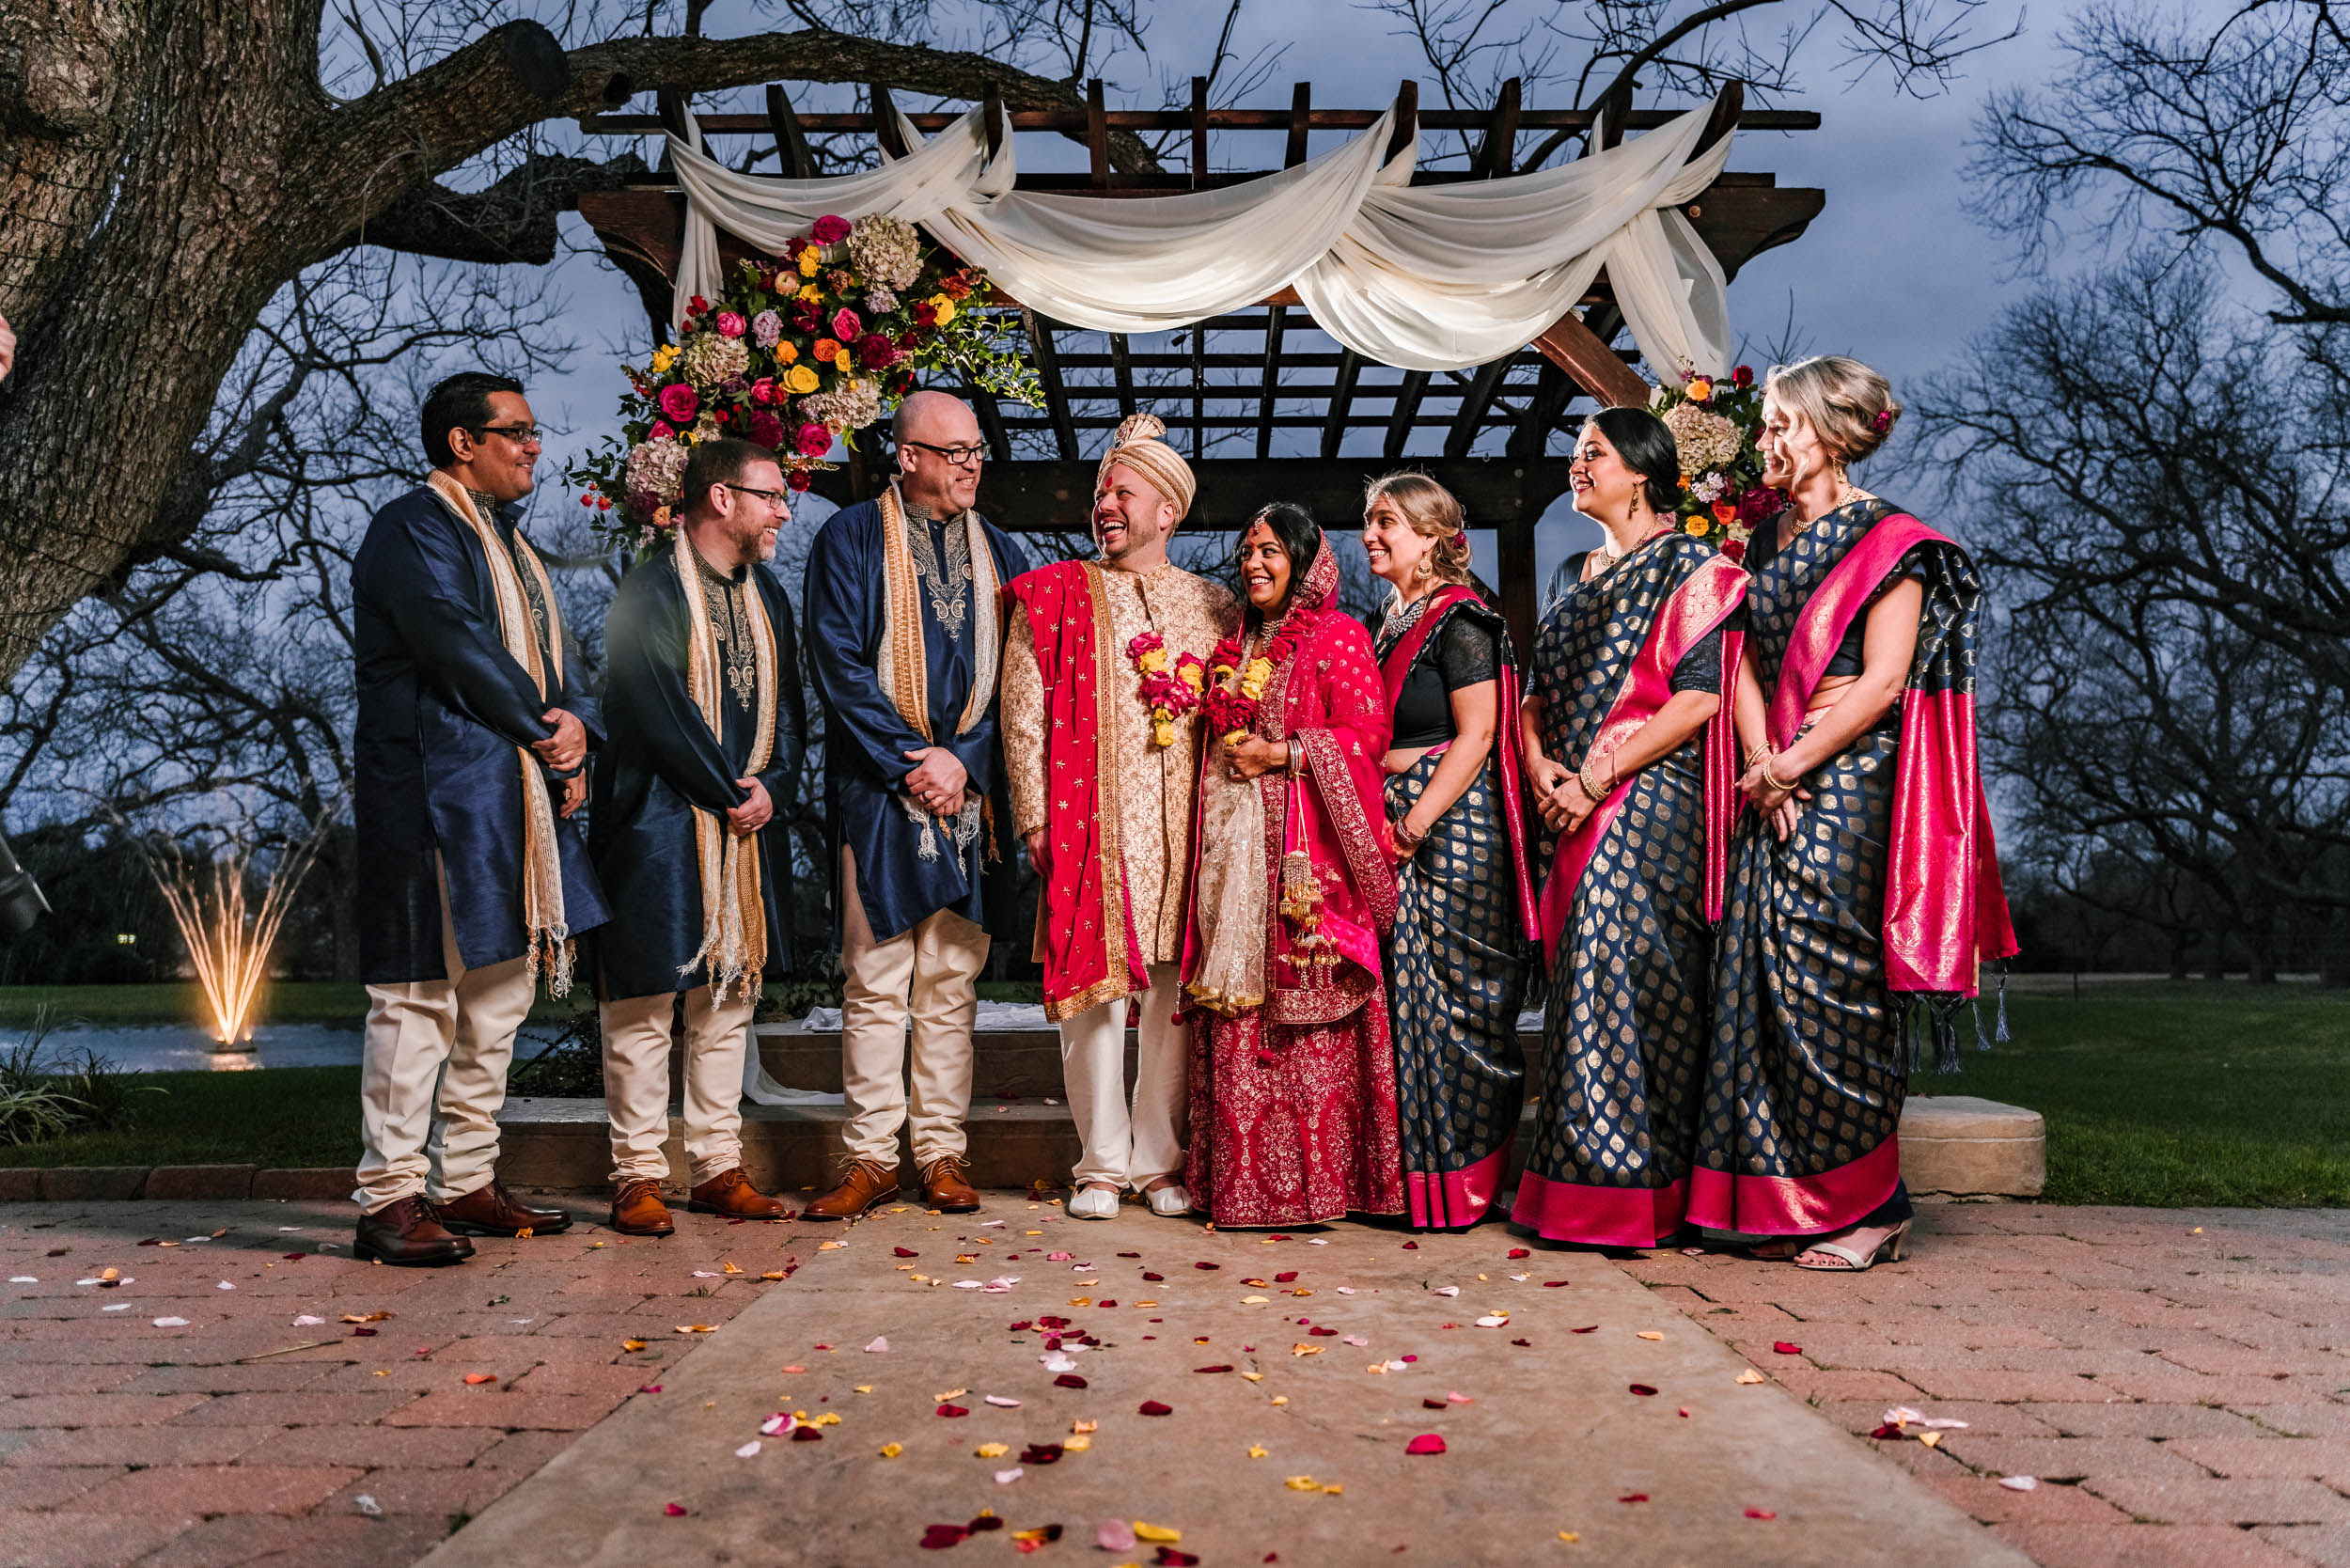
<point>186,1048</point>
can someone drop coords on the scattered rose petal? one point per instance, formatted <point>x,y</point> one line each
<point>879,1347</point>
<point>891,1450</point>
<point>1357,1340</point>
<point>649,1387</point>
<point>306,1321</point>
<point>1214,1369</point>
<point>1000,1402</point>
<point>182,1323</point>
<point>1460,1399</point>
<point>2019,1483</point>
<point>777,1424</point>
<point>368,1506</point>
<point>1784,1348</point>
<point>1559,1284</point>
<point>748,1448</point>
<point>1068,1380</point>
<point>953,1410</point>
<point>673,1511</point>
<point>906,1252</point>
<point>1152,1407</point>
<point>1113,1535</point>
<point>990,1450</point>
<point>804,1434</point>
<point>1045,1453</point>
<point>1166,1534</point>
<point>1648,1334</point>
<point>477,1379</point>
<point>1527,1344</point>
<point>224,1285</point>
<point>1494,1320</point>
<point>1427,1442</point>
<point>1749,1375</point>
<point>1642,1389</point>
<point>935,1537</point>
<point>1632,1498</point>
<point>1760,1513</point>
<point>1447,1290</point>
<point>1205,1266</point>
<point>1411,1246</point>
<point>1005,1478</point>
<point>1521,1252</point>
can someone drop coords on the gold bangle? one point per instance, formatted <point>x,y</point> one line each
<point>1771,782</point>
<point>1583,776</point>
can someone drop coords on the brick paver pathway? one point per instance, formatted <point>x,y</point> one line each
<point>2177,1382</point>
<point>123,1441</point>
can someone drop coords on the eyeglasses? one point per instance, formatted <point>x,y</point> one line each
<point>521,435</point>
<point>775,498</point>
<point>962,457</point>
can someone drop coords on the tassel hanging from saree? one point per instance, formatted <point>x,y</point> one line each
<point>1302,897</point>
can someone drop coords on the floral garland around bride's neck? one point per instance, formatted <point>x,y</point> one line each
<point>1236,691</point>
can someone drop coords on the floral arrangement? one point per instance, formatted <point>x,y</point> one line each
<point>1713,424</point>
<point>1168,694</point>
<point>1236,691</point>
<point>801,351</point>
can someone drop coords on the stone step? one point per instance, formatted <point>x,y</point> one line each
<point>1951,1145</point>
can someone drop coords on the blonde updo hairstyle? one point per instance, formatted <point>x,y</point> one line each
<point>1435,513</point>
<point>1849,406</point>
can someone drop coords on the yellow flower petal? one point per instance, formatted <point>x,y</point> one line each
<point>891,1450</point>
<point>1254,1377</point>
<point>1075,1445</point>
<point>1649,1334</point>
<point>991,1450</point>
<point>1750,1376</point>
<point>1256,1451</point>
<point>1302,1484</point>
<point>1156,1532</point>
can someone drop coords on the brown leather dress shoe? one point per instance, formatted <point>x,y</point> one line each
<point>492,1211</point>
<point>864,1183</point>
<point>637,1209</point>
<point>405,1233</point>
<point>944,1187</point>
<point>731,1193</point>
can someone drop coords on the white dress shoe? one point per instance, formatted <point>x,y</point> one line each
<point>1092,1203</point>
<point>1169,1200</point>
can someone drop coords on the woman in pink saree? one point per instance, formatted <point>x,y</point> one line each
<point>1293,1074</point>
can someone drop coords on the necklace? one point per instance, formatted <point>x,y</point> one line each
<point>1846,493</point>
<point>1610,559</point>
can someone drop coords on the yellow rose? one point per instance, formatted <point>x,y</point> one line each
<point>1152,662</point>
<point>1162,735</point>
<point>809,263</point>
<point>801,380</point>
<point>1695,526</point>
<point>944,307</point>
<point>1700,390</point>
<point>662,357</point>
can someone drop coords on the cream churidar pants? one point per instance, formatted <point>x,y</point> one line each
<point>433,1075</point>
<point>1128,1141</point>
<point>930,973</point>
<point>636,1082</point>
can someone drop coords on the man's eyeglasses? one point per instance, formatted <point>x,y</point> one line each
<point>775,498</point>
<point>962,457</point>
<point>521,435</point>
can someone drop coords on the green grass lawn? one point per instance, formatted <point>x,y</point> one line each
<point>2182,1094</point>
<point>285,1117</point>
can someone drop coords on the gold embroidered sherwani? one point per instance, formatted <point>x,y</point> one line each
<point>1152,787</point>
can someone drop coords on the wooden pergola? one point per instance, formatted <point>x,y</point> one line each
<point>1243,393</point>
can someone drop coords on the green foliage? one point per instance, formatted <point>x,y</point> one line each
<point>44,1100</point>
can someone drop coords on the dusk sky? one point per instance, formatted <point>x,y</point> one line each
<point>1893,270</point>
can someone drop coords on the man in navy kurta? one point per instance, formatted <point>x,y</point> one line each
<point>910,754</point>
<point>668,786</point>
<point>446,714</point>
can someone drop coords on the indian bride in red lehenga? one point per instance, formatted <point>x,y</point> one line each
<point>1293,1075</point>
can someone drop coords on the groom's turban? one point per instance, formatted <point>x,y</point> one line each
<point>1136,446</point>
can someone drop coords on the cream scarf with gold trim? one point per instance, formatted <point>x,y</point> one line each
<point>904,663</point>
<point>734,913</point>
<point>547,933</point>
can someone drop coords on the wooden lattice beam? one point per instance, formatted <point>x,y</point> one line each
<point>1342,395</point>
<point>1049,378</point>
<point>1477,399</point>
<point>1400,420</point>
<point>1275,323</point>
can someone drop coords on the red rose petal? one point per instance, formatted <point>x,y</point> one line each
<point>295,1257</point>
<point>1170,1557</point>
<point>807,1435</point>
<point>1888,1430</point>
<point>1211,1368</point>
<point>951,1410</point>
<point>1152,1407</point>
<point>1594,1329</point>
<point>1040,1454</point>
<point>1427,1442</point>
<point>1526,1343</point>
<point>1130,1254</point>
<point>906,1252</point>
<point>1784,1348</point>
<point>985,1521</point>
<point>673,1511</point>
<point>1285,1279</point>
<point>1642,1389</point>
<point>1147,1275</point>
<point>1433,1404</point>
<point>1760,1513</point>
<point>363,1333</point>
<point>1552,1285</point>
<point>1068,1380</point>
<point>1021,1327</point>
<point>1633,1497</point>
<point>1320,1333</point>
<point>1521,1252</point>
<point>1411,1246</point>
<point>1207,1265</point>
<point>936,1538</point>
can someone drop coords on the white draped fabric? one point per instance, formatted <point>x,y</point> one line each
<point>1436,277</point>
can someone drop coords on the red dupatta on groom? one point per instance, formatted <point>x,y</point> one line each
<point>1085,932</point>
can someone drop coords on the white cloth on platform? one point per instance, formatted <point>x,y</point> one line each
<point>1436,278</point>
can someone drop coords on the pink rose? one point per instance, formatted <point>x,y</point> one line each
<point>765,429</point>
<point>845,325</point>
<point>660,432</point>
<point>763,390</point>
<point>680,403</point>
<point>732,325</point>
<point>815,441</point>
<point>830,231</point>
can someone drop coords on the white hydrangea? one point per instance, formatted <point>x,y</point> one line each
<point>1709,486</point>
<point>656,471</point>
<point>711,357</point>
<point>851,405</point>
<point>887,251</point>
<point>1702,439</point>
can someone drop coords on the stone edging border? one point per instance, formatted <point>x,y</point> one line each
<point>86,1183</point>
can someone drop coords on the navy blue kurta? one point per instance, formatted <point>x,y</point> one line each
<point>865,739</point>
<point>662,762</point>
<point>442,707</point>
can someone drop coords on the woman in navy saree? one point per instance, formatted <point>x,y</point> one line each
<point>1464,900</point>
<point>1866,887</point>
<point>1629,756</point>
